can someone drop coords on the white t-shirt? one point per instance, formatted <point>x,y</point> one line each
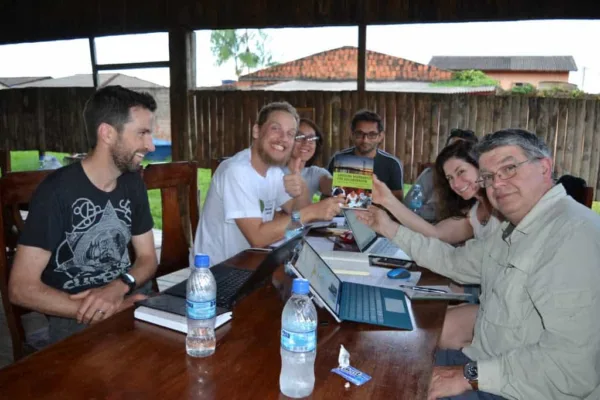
<point>482,231</point>
<point>236,191</point>
<point>312,176</point>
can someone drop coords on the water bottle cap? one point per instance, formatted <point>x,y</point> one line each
<point>417,186</point>
<point>296,215</point>
<point>300,286</point>
<point>201,260</point>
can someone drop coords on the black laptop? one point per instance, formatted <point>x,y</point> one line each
<point>234,283</point>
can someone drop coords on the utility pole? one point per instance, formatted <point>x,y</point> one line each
<point>583,79</point>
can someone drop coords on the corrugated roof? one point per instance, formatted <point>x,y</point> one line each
<point>398,86</point>
<point>340,64</point>
<point>85,80</point>
<point>505,63</point>
<point>9,82</point>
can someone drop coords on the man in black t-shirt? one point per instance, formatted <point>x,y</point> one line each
<point>72,261</point>
<point>367,134</point>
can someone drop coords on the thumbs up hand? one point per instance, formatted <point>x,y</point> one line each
<point>293,182</point>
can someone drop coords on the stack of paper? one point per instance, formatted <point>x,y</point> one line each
<point>347,262</point>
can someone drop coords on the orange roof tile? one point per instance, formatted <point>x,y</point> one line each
<point>340,65</point>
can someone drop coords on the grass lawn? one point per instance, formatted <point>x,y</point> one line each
<point>28,160</point>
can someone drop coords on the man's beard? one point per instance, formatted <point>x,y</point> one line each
<point>360,150</point>
<point>267,159</point>
<point>124,162</point>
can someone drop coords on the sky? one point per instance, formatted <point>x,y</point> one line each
<point>416,42</point>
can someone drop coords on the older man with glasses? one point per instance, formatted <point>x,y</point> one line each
<point>367,135</point>
<point>537,333</point>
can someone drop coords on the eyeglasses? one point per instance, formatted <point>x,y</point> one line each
<point>370,135</point>
<point>504,173</point>
<point>307,139</point>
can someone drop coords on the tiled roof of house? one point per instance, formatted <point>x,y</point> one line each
<point>506,63</point>
<point>340,65</point>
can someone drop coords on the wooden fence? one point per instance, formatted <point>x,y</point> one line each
<point>416,125</point>
<point>43,119</point>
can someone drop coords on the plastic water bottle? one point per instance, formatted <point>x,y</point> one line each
<point>294,228</point>
<point>416,199</point>
<point>49,162</point>
<point>298,343</point>
<point>201,309</point>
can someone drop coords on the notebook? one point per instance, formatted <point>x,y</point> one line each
<point>170,312</point>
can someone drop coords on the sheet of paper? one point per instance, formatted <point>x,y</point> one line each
<point>378,277</point>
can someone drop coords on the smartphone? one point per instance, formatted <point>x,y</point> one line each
<point>388,262</point>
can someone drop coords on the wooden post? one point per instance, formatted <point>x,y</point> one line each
<point>93,58</point>
<point>182,71</point>
<point>361,72</point>
<point>4,161</point>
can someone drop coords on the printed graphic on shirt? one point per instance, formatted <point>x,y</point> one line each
<point>95,252</point>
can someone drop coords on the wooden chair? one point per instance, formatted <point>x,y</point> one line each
<point>171,178</point>
<point>589,196</point>
<point>215,163</point>
<point>16,190</point>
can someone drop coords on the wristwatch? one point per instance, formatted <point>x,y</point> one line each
<point>471,375</point>
<point>129,280</point>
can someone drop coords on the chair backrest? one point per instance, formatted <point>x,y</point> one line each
<point>214,164</point>
<point>588,197</point>
<point>16,190</point>
<point>172,179</point>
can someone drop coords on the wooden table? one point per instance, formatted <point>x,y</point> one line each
<point>123,358</point>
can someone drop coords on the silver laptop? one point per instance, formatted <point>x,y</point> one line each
<point>351,301</point>
<point>368,241</point>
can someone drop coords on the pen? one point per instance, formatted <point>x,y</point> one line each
<point>423,289</point>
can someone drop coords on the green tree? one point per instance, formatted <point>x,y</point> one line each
<point>468,78</point>
<point>246,47</point>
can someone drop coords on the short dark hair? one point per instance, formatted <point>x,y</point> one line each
<point>111,105</point>
<point>319,145</point>
<point>366,116</point>
<point>463,134</point>
<point>267,109</point>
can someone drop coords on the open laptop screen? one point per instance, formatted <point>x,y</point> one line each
<point>363,235</point>
<point>323,280</point>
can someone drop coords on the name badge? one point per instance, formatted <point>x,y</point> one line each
<point>268,211</point>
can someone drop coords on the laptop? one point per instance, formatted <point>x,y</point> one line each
<point>368,241</point>
<point>234,283</point>
<point>351,301</point>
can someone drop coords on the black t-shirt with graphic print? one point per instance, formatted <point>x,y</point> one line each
<point>86,229</point>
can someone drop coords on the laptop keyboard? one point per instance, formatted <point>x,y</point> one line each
<point>383,247</point>
<point>362,303</point>
<point>229,280</point>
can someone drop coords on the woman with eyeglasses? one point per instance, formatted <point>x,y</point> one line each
<point>464,212</point>
<point>307,148</point>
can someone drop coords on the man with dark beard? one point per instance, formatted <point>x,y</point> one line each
<point>66,265</point>
<point>248,188</point>
<point>367,134</point>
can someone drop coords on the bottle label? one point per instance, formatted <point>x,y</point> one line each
<point>298,342</point>
<point>291,233</point>
<point>201,309</point>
